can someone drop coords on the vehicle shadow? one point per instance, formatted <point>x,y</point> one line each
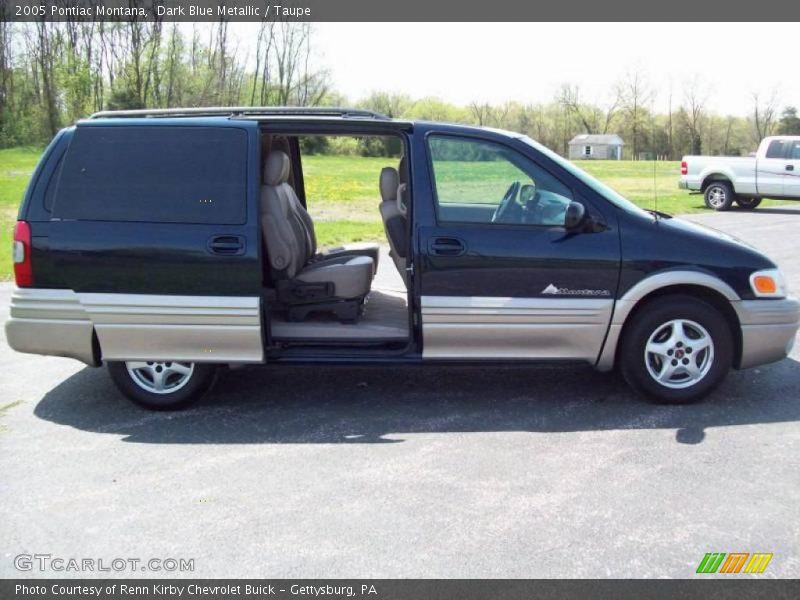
<point>330,405</point>
<point>773,210</point>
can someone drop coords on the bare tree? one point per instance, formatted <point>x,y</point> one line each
<point>670,144</point>
<point>264,45</point>
<point>313,85</point>
<point>611,111</point>
<point>589,117</point>
<point>764,114</point>
<point>6,72</point>
<point>635,95</point>
<point>498,115</point>
<point>693,113</point>
<point>174,47</point>
<point>46,50</point>
<point>728,133</point>
<point>480,112</point>
<point>288,57</point>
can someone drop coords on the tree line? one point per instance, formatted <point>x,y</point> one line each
<point>687,127</point>
<point>52,74</point>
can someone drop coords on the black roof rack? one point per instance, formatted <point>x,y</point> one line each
<point>238,111</point>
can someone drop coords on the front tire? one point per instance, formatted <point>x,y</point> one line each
<point>163,385</point>
<point>676,350</point>
<point>719,195</point>
<point>748,203</point>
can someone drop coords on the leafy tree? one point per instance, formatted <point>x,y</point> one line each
<point>789,123</point>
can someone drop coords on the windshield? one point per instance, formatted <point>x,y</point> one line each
<point>601,188</point>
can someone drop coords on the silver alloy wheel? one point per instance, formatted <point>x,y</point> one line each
<point>163,377</point>
<point>716,196</point>
<point>679,353</point>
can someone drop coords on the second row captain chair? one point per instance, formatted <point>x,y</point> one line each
<point>305,281</point>
<point>280,146</point>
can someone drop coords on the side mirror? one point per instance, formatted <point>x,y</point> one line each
<point>574,216</point>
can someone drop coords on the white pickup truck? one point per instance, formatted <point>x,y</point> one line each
<point>774,172</point>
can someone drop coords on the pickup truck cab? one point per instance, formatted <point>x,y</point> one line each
<point>170,243</point>
<point>774,172</point>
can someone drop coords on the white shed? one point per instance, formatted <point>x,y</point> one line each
<point>590,146</point>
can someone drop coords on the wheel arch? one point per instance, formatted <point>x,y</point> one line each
<point>694,284</point>
<point>715,176</point>
<point>97,352</point>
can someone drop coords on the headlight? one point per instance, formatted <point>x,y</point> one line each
<point>769,283</point>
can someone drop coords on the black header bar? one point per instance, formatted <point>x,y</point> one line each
<point>396,589</point>
<point>713,11</point>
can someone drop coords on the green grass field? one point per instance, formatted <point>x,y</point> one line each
<point>345,186</point>
<point>16,166</point>
<point>343,197</point>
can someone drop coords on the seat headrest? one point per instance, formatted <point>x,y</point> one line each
<point>276,168</point>
<point>389,182</point>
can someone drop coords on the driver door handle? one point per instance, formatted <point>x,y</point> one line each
<point>447,246</point>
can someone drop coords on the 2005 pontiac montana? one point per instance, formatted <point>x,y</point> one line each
<point>166,243</point>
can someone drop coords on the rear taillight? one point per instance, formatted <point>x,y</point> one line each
<point>684,167</point>
<point>21,254</point>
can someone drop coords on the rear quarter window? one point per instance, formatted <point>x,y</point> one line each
<point>154,174</point>
<point>775,149</point>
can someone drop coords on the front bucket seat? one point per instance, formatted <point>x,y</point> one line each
<point>394,219</point>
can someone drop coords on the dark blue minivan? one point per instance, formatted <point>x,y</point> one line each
<point>168,243</point>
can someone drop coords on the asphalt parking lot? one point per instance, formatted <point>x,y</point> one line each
<point>408,472</point>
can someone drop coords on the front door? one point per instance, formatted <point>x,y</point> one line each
<point>501,278</point>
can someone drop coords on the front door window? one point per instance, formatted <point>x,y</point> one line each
<point>482,182</point>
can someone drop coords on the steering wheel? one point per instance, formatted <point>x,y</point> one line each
<point>504,208</point>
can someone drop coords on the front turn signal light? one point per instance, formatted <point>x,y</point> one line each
<point>764,284</point>
<point>769,283</point>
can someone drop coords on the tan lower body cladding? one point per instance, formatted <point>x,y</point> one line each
<point>136,326</point>
<point>464,327</point>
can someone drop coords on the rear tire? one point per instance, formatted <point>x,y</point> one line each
<point>162,385</point>
<point>676,350</point>
<point>719,195</point>
<point>748,203</point>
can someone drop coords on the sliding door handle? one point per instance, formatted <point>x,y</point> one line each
<point>226,245</point>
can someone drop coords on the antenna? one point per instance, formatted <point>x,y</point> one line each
<point>655,187</point>
<point>655,161</point>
